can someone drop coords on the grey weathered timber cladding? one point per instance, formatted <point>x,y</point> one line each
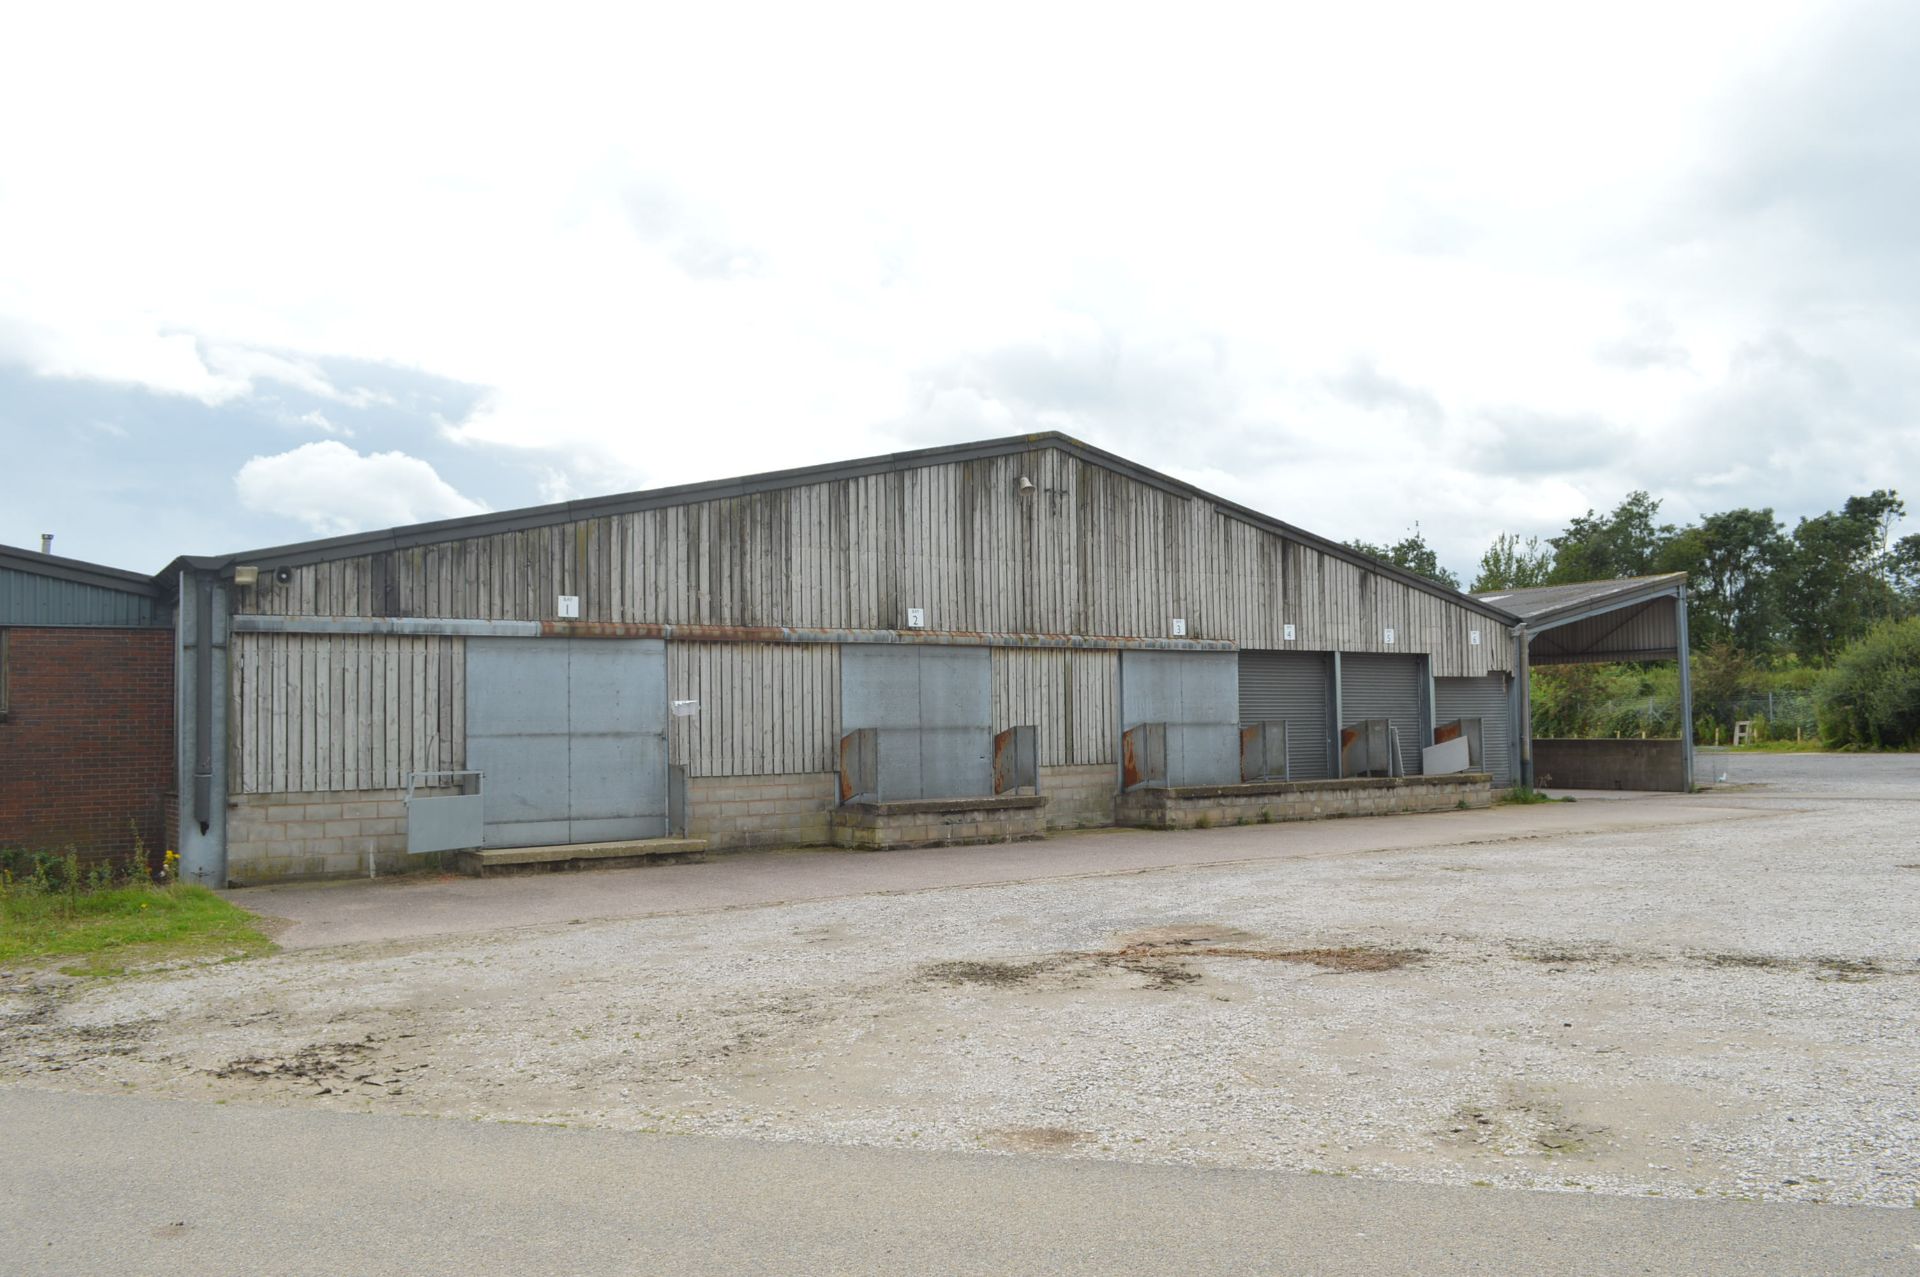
<point>1389,687</point>
<point>762,709</point>
<point>1087,550</point>
<point>1067,695</point>
<point>344,712</point>
<point>1292,687</point>
<point>1490,700</point>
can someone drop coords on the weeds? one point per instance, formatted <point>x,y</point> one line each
<point>112,911</point>
<point>1526,796</point>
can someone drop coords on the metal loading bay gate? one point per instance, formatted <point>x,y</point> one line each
<point>932,707</point>
<point>572,737</point>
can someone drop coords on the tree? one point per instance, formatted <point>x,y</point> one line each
<point>1513,564</point>
<point>1624,543</point>
<point>1731,560</point>
<point>1871,696</point>
<point>1839,574</point>
<point>1413,554</point>
<point>1904,561</point>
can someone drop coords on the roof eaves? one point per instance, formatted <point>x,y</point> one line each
<point>77,570</point>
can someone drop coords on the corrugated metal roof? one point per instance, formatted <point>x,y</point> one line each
<point>46,589</point>
<point>1545,602</point>
<point>1635,618</point>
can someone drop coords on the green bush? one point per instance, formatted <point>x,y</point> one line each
<point>1871,696</point>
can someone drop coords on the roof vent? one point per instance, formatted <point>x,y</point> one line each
<point>46,543</point>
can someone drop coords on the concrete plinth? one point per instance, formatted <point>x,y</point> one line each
<point>939,822</point>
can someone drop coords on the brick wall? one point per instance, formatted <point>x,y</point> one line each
<point>274,837</point>
<point>86,751</point>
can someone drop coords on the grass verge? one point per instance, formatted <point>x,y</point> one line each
<point>115,928</point>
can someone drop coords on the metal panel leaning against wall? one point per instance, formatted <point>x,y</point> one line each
<point>344,712</point>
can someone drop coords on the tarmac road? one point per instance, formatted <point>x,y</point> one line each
<point>123,1184</point>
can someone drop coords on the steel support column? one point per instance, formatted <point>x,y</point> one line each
<point>200,712</point>
<point>1686,681</point>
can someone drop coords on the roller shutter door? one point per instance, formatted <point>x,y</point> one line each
<point>1389,687</point>
<point>1290,687</point>
<point>1489,700</point>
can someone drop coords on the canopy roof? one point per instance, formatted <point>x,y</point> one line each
<point>1636,618</point>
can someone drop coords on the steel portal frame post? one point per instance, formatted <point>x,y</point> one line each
<point>200,737</point>
<point>1523,702</point>
<point>1339,718</point>
<point>1686,682</point>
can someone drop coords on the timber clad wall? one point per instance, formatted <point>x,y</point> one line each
<point>1088,551</point>
<point>328,712</point>
<point>766,709</point>
<point>1068,695</point>
<point>86,751</point>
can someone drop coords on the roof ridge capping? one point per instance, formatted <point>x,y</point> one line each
<point>770,480</point>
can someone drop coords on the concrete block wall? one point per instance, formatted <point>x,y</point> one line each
<point>1202,806</point>
<point>934,822</point>
<point>1610,764</point>
<point>274,837</point>
<point>734,812</point>
<point>1080,797</point>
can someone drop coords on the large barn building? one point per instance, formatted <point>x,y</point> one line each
<point>967,642</point>
<point>959,644</point>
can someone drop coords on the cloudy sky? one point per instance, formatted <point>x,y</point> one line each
<point>268,273</point>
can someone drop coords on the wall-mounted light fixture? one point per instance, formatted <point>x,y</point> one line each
<point>246,577</point>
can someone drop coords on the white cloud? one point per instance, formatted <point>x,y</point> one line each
<point>1312,262</point>
<point>334,490</point>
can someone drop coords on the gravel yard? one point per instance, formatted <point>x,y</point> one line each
<point>1725,1008</point>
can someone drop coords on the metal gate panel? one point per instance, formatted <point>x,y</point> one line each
<point>880,688</point>
<point>1389,687</point>
<point>1490,700</point>
<point>617,739</point>
<point>1290,687</point>
<point>932,707</point>
<point>1196,694</point>
<point>517,736</point>
<point>571,735</point>
<point>956,722</point>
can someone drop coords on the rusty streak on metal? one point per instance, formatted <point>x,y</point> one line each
<point>810,634</point>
